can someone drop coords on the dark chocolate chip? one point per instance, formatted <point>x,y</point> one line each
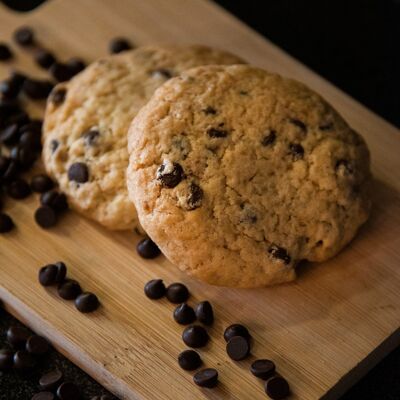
<point>277,388</point>
<point>298,123</point>
<point>263,369</point>
<point>5,52</point>
<point>20,118</point>
<point>18,189</point>
<point>90,136</point>
<point>217,133</point>
<point>68,391</point>
<point>161,72</point>
<point>17,78</point>
<point>195,197</point>
<point>10,172</point>
<point>37,89</point>
<point>54,145</point>
<point>170,174</point>
<point>205,313</point>
<point>243,92</point>
<point>344,166</point>
<point>37,345</point>
<point>6,359</point>
<point>146,248</point>
<point>207,378</point>
<point>30,140</point>
<point>8,89</point>
<point>43,396</point>
<point>184,314</point>
<point>51,380</point>
<point>195,336</point>
<point>61,72</point>
<point>45,217</point>
<point>87,302</point>
<point>4,161</point>
<point>17,336</point>
<point>296,150</point>
<point>47,275</point>
<point>78,172</point>
<point>41,183</point>
<point>44,58</point>
<point>10,134</point>
<point>177,293</point>
<point>209,110</point>
<point>24,155</point>
<point>279,253</point>
<point>24,36</point>
<point>6,223</point>
<point>23,361</point>
<point>57,201</point>
<point>118,45</point>
<point>269,138</point>
<point>61,272</point>
<point>189,360</point>
<point>155,289</point>
<point>326,126</point>
<point>57,96</point>
<point>76,65</point>
<point>238,348</point>
<point>69,289</point>
<point>236,330</point>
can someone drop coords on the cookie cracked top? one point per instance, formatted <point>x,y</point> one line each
<point>87,118</point>
<point>237,174</point>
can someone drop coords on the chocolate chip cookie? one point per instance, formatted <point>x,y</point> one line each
<point>87,119</point>
<point>237,174</point>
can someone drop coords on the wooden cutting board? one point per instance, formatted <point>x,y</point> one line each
<point>324,331</point>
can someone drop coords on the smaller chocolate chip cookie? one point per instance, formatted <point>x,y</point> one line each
<point>237,174</point>
<point>86,123</point>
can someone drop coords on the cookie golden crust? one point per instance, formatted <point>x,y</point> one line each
<point>237,174</point>
<point>87,119</point>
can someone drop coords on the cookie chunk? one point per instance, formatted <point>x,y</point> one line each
<point>86,123</point>
<point>237,174</point>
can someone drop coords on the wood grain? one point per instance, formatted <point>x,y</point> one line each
<point>323,331</point>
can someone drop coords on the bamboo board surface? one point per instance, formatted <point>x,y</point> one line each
<point>324,331</point>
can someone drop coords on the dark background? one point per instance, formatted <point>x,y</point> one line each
<point>354,44</point>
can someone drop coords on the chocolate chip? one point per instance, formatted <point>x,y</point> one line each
<point>17,78</point>
<point>87,302</point>
<point>17,336</point>
<point>269,139</point>
<point>5,52</point>
<point>61,72</point>
<point>45,217</point>
<point>76,65</point>
<point>51,380</point>
<point>162,73</point>
<point>35,125</point>
<point>344,167</point>
<point>279,253</point>
<point>44,58</point>
<point>69,289</point>
<point>37,345</point>
<point>18,189</point>
<point>24,36</point>
<point>326,126</point>
<point>195,336</point>
<point>6,223</point>
<point>57,96</point>
<point>296,150</point>
<point>6,359</point>
<point>9,89</point>
<point>146,248</point>
<point>277,388</point>
<point>209,110</point>
<point>177,293</point>
<point>189,360</point>
<point>90,136</point>
<point>118,45</point>
<point>217,133</point>
<point>155,289</point>
<point>23,361</point>
<point>10,135</point>
<point>195,197</point>
<point>57,201</point>
<point>236,330</point>
<point>37,89</point>
<point>20,118</point>
<point>10,172</point>
<point>207,378</point>
<point>205,313</point>
<point>30,140</point>
<point>24,155</point>
<point>4,161</point>
<point>48,274</point>
<point>263,369</point>
<point>41,183</point>
<point>54,145</point>
<point>184,314</point>
<point>238,348</point>
<point>170,174</point>
<point>78,172</point>
<point>43,396</point>
<point>298,123</point>
<point>68,391</point>
<point>61,272</point>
